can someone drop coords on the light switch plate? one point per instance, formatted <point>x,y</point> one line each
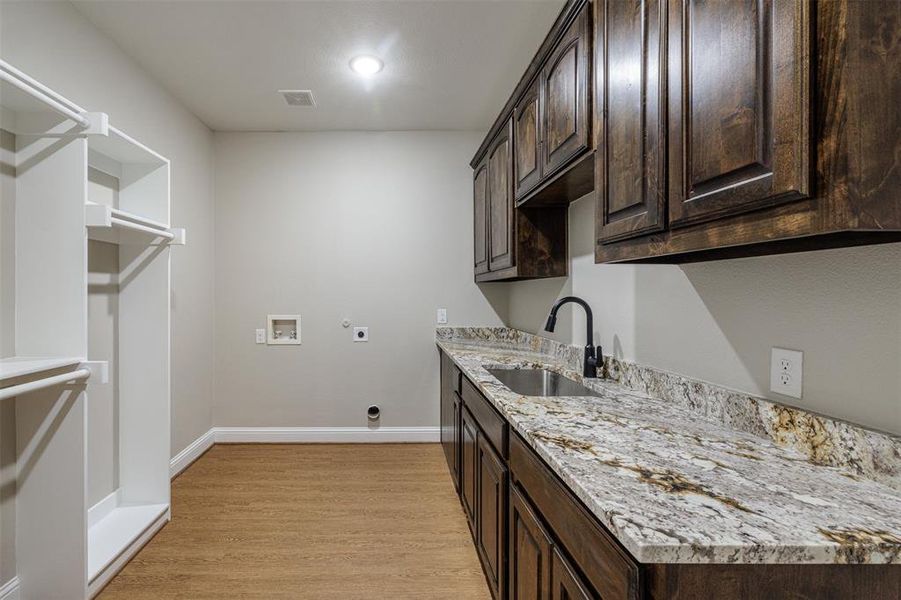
<point>442,316</point>
<point>361,334</point>
<point>787,372</point>
<point>261,336</point>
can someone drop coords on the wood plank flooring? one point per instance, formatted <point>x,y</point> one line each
<point>310,521</point>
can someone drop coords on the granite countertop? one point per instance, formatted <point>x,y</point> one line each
<point>676,488</point>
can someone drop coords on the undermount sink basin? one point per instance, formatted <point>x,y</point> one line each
<point>540,382</point>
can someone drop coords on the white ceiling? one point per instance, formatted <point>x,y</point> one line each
<point>448,64</point>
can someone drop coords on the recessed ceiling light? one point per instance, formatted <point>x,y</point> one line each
<point>366,65</point>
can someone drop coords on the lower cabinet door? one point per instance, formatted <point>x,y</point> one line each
<point>455,464</point>
<point>468,465</point>
<point>530,552</point>
<point>492,513</point>
<point>448,417</point>
<point>565,583</point>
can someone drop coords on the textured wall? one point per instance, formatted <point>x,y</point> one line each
<point>375,227</point>
<point>717,321</point>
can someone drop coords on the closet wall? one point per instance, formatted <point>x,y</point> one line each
<point>88,68</point>
<point>7,348</point>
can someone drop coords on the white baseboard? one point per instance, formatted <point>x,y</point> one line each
<point>194,450</point>
<point>307,435</point>
<point>10,590</point>
<point>100,580</point>
<point>299,435</point>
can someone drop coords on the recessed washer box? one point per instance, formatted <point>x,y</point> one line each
<point>283,330</point>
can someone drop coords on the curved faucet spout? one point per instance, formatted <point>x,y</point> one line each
<point>593,358</point>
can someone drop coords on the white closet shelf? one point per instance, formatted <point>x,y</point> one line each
<point>27,103</point>
<point>124,149</point>
<point>119,529</point>
<point>107,224</point>
<point>19,366</point>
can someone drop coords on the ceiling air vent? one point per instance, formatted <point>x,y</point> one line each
<point>298,97</point>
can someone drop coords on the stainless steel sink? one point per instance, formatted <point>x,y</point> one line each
<point>540,382</point>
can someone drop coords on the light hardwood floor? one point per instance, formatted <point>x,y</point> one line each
<point>310,521</point>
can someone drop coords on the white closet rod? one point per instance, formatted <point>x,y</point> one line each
<point>115,212</point>
<point>32,386</point>
<point>137,227</point>
<point>40,92</point>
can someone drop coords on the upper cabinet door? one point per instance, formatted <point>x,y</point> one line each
<point>480,217</point>
<point>500,201</point>
<point>630,167</point>
<point>565,95</point>
<point>527,141</point>
<point>738,106</point>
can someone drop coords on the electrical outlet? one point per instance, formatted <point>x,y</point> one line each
<point>261,336</point>
<point>442,316</point>
<point>361,334</point>
<point>787,372</point>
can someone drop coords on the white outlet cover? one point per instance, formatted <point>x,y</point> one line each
<point>787,372</point>
<point>442,316</point>
<point>361,334</point>
<point>261,336</point>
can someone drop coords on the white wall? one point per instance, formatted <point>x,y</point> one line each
<point>54,43</point>
<point>717,321</point>
<point>7,348</point>
<point>375,227</point>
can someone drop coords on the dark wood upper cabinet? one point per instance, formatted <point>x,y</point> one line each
<point>565,93</point>
<point>565,584</point>
<point>518,244</point>
<point>491,520</point>
<point>480,218</point>
<point>630,162</point>
<point>501,228</point>
<point>776,142</point>
<point>739,109</point>
<point>527,142</point>
<point>530,552</point>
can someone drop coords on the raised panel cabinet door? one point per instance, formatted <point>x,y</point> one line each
<point>739,107</point>
<point>565,584</point>
<point>565,93</point>
<point>468,465</point>
<point>492,494</point>
<point>500,201</point>
<point>529,552</point>
<point>480,218</point>
<point>527,141</point>
<point>630,165</point>
<point>449,416</point>
<point>455,468</point>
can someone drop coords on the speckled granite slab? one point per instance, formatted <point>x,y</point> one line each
<point>673,487</point>
<point>824,441</point>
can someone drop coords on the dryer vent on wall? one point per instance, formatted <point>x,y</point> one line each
<point>298,97</point>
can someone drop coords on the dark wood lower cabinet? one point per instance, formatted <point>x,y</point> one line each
<point>565,584</point>
<point>468,465</point>
<point>491,518</point>
<point>537,541</point>
<point>530,552</point>
<point>450,416</point>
